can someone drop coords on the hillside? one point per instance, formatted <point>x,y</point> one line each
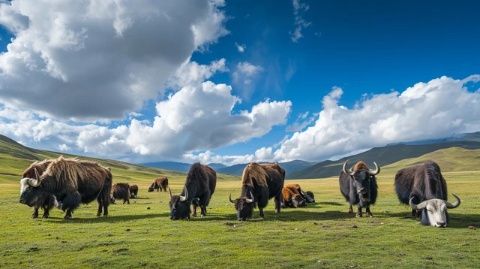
<point>382,155</point>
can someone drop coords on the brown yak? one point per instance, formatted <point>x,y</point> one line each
<point>293,196</point>
<point>159,184</point>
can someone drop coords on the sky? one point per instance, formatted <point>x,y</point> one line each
<point>236,81</point>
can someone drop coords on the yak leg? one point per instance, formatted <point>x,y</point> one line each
<point>359,211</point>
<point>68,215</point>
<point>350,210</point>
<point>46,212</point>
<point>203,209</point>
<point>369,213</point>
<point>100,205</point>
<point>35,212</point>
<point>194,210</point>
<point>278,203</point>
<point>261,213</point>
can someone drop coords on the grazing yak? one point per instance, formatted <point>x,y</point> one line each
<point>159,184</point>
<point>121,191</point>
<point>68,181</point>
<point>197,191</point>
<point>293,196</point>
<point>260,182</point>
<point>133,191</point>
<point>359,186</point>
<point>423,187</point>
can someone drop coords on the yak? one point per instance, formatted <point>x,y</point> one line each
<point>260,182</point>
<point>121,191</point>
<point>293,196</point>
<point>359,186</point>
<point>423,187</point>
<point>70,182</point>
<point>159,184</point>
<point>198,190</point>
<point>133,191</point>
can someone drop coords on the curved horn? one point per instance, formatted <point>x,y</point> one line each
<point>33,182</point>
<point>344,169</point>
<point>184,198</point>
<point>419,206</point>
<point>456,204</point>
<point>37,177</point>
<point>170,191</point>
<point>230,198</point>
<point>250,200</point>
<point>376,171</point>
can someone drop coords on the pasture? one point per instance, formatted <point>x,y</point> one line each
<point>141,235</point>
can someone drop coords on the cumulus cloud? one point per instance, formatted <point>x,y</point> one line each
<point>245,76</point>
<point>299,22</point>
<point>438,108</point>
<point>109,56</point>
<point>241,48</point>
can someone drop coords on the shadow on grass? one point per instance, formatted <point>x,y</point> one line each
<point>109,219</point>
<point>330,203</point>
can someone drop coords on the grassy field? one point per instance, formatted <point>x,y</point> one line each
<point>141,235</point>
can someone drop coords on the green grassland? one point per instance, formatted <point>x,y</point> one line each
<point>141,235</point>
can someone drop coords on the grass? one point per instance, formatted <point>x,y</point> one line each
<point>141,235</point>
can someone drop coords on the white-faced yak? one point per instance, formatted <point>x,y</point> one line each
<point>70,182</point>
<point>198,190</point>
<point>423,187</point>
<point>359,186</point>
<point>260,182</point>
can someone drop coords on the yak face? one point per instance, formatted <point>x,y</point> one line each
<point>298,201</point>
<point>361,183</point>
<point>434,211</point>
<point>244,207</point>
<point>179,208</point>
<point>31,194</point>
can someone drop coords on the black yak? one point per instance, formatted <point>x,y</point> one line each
<point>293,196</point>
<point>359,186</point>
<point>70,182</point>
<point>423,187</point>
<point>198,190</point>
<point>159,184</point>
<point>121,191</point>
<point>260,182</point>
<point>133,191</point>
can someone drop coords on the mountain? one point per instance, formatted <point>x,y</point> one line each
<point>290,167</point>
<point>385,156</point>
<point>217,166</point>
<point>172,166</point>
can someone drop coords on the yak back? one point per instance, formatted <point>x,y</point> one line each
<point>66,175</point>
<point>40,166</point>
<point>422,181</point>
<point>262,177</point>
<point>201,180</point>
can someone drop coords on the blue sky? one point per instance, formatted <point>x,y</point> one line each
<point>355,55</point>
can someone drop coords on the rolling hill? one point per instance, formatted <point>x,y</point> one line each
<point>383,156</point>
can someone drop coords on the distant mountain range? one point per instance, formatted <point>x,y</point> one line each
<point>382,155</point>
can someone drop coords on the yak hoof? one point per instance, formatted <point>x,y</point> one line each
<point>45,216</point>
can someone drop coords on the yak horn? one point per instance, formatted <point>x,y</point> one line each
<point>230,198</point>
<point>419,206</point>
<point>170,191</point>
<point>456,204</point>
<point>33,182</point>
<point>37,177</point>
<point>184,198</point>
<point>376,171</point>
<point>250,200</point>
<point>350,172</point>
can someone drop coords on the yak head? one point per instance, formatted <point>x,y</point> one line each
<point>434,211</point>
<point>298,201</point>
<point>309,197</point>
<point>179,206</point>
<point>32,194</point>
<point>244,206</point>
<point>362,180</point>
<point>151,188</point>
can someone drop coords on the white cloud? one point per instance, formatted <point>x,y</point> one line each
<point>240,47</point>
<point>300,23</point>
<point>109,56</point>
<point>438,108</point>
<point>192,73</point>
<point>245,76</point>
<point>303,120</point>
